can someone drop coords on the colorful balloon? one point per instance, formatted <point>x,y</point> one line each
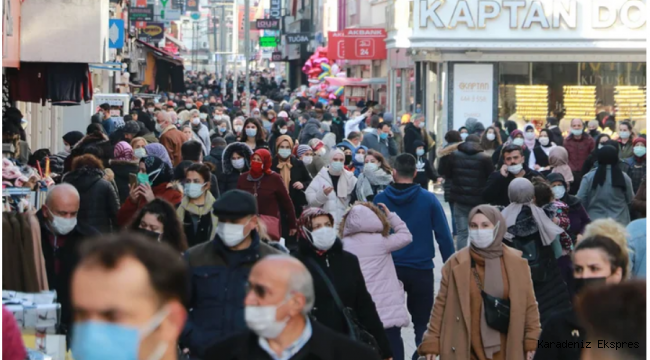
<point>339,91</point>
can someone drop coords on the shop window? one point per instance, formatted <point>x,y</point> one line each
<point>619,88</point>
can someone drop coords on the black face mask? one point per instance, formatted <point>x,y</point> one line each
<point>149,234</point>
<point>348,159</point>
<point>581,284</point>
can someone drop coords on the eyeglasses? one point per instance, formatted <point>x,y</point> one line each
<point>259,290</point>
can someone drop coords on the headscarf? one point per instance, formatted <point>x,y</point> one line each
<point>302,149</point>
<point>123,151</point>
<point>493,281</point>
<point>510,126</point>
<point>358,165</point>
<point>159,171</point>
<point>73,137</point>
<point>159,151</point>
<point>567,199</point>
<point>266,163</point>
<point>304,222</point>
<point>637,159</point>
<point>284,165</point>
<point>559,160</point>
<point>521,192</point>
<point>529,143</point>
<point>514,134</point>
<point>608,155</point>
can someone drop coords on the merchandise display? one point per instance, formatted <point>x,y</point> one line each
<point>630,102</point>
<point>580,102</point>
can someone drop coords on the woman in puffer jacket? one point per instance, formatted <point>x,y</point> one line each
<point>364,231</point>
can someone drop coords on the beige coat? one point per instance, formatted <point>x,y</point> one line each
<point>448,333</point>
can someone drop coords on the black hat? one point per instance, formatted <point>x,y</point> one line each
<point>131,127</point>
<point>235,204</point>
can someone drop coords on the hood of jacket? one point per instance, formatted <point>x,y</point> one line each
<point>240,148</point>
<point>217,153</point>
<point>361,219</point>
<point>470,147</point>
<point>402,196</point>
<point>448,149</point>
<point>83,178</point>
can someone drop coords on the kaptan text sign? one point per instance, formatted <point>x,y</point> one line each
<point>526,19</point>
<point>473,93</point>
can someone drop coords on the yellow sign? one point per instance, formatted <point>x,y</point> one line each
<point>153,30</point>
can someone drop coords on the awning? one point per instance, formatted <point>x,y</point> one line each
<point>342,81</point>
<point>162,54</point>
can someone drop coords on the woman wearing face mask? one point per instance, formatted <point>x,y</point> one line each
<point>195,210</point>
<point>319,246</point>
<point>278,129</point>
<point>254,134</point>
<point>138,144</point>
<point>607,191</point>
<point>578,217</point>
<point>123,164</point>
<point>626,138</point>
<point>597,261</point>
<point>199,129</point>
<point>154,181</point>
<point>490,140</point>
<point>487,269</point>
<point>70,139</point>
<point>321,156</point>
<point>559,161</point>
<point>464,133</point>
<point>348,150</point>
<point>159,151</point>
<point>359,159</point>
<point>534,234</point>
<point>238,127</point>
<point>637,163</point>
<point>235,161</point>
<point>425,172</point>
<point>158,221</point>
<point>331,190</point>
<point>269,189</point>
<point>366,234</point>
<point>601,140</point>
<point>222,129</point>
<point>541,151</point>
<point>294,174</point>
<point>376,176</point>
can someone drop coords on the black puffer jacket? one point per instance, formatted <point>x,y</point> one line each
<point>230,175</point>
<point>468,169</point>
<point>99,200</point>
<point>443,156</point>
<point>122,169</point>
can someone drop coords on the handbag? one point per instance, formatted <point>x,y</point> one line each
<point>497,310</point>
<point>356,330</point>
<point>272,223</point>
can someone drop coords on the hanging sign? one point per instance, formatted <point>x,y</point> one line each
<point>275,8</point>
<point>473,93</point>
<point>299,38</point>
<point>336,45</point>
<point>141,13</point>
<point>153,31</point>
<point>276,56</point>
<point>365,44</point>
<point>267,24</point>
<point>268,41</point>
<point>192,5</point>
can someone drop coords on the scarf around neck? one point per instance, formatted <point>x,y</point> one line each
<point>369,178</point>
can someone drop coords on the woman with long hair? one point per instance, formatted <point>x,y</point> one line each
<point>278,129</point>
<point>235,161</point>
<point>377,175</point>
<point>490,140</point>
<point>460,327</point>
<point>542,150</point>
<point>158,221</point>
<point>254,135</point>
<point>365,231</point>
<point>626,138</point>
<point>195,210</point>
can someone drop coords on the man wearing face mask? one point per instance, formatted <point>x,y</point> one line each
<point>219,269</point>
<point>128,294</point>
<point>279,299</point>
<point>496,190</point>
<point>415,131</point>
<point>61,236</point>
<point>170,137</point>
<point>321,251</point>
<point>579,145</point>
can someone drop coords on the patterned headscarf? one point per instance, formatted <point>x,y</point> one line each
<point>123,151</point>
<point>159,171</point>
<point>160,152</point>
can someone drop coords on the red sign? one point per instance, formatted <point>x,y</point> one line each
<point>358,44</point>
<point>140,24</point>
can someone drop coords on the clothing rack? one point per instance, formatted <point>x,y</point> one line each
<point>11,198</point>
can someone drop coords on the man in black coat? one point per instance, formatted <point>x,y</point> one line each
<point>554,130</point>
<point>235,161</point>
<point>283,283</point>
<point>61,237</point>
<point>514,166</point>
<point>468,169</point>
<point>414,131</point>
<point>216,154</point>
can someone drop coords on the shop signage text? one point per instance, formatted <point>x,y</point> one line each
<point>153,31</point>
<point>300,38</point>
<point>473,93</point>
<point>267,24</point>
<point>268,41</point>
<point>275,9</point>
<point>141,13</point>
<point>548,14</point>
<point>357,44</point>
<point>276,56</point>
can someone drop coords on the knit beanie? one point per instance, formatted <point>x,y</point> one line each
<point>302,149</point>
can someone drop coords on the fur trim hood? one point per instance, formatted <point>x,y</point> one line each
<point>240,148</point>
<point>448,149</point>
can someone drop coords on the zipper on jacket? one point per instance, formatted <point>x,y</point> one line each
<point>327,260</point>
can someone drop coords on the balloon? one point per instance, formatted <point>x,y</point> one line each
<point>332,97</point>
<point>323,101</point>
<point>335,69</point>
<point>314,72</point>
<point>339,91</point>
<point>332,88</point>
<point>323,75</point>
<point>323,86</point>
<point>326,67</point>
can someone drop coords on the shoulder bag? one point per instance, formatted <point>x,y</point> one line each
<point>497,310</point>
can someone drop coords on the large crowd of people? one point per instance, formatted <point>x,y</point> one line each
<point>304,230</point>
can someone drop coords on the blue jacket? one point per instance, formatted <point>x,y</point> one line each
<point>218,289</point>
<point>637,243</point>
<point>424,216</point>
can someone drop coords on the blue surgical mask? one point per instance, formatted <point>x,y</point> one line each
<point>193,191</point>
<point>93,340</point>
<point>624,134</point>
<point>336,167</point>
<point>639,151</point>
<point>464,136</point>
<point>284,153</point>
<point>419,152</point>
<point>251,132</point>
<point>576,132</point>
<point>383,136</point>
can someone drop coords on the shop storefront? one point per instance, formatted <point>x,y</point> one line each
<point>526,60</point>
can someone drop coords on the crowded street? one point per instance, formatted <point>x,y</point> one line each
<point>324,180</point>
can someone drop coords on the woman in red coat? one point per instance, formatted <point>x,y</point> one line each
<point>154,181</point>
<point>272,197</point>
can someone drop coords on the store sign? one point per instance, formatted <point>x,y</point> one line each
<point>141,13</point>
<point>473,93</point>
<point>360,44</point>
<point>300,38</point>
<point>268,41</point>
<point>275,9</point>
<point>192,5</point>
<point>475,20</point>
<point>153,31</point>
<point>267,24</point>
<point>336,45</point>
<point>276,56</point>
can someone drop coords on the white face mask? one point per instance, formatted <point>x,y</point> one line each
<point>284,153</point>
<point>491,136</point>
<point>67,148</point>
<point>544,141</point>
<point>624,134</point>
<point>370,167</point>
<point>518,141</point>
<point>321,151</point>
<point>323,238</point>
<point>262,321</point>
<point>159,128</point>
<point>419,152</point>
<point>559,191</point>
<point>482,238</point>
<point>464,136</point>
<point>307,160</point>
<point>196,121</point>
<point>600,146</point>
<point>238,128</point>
<point>150,109</point>
<point>231,234</point>
<point>529,135</point>
<point>238,164</point>
<point>283,131</point>
<point>336,167</point>
<point>359,158</point>
<point>578,132</point>
<point>140,153</point>
<point>515,169</point>
<point>421,125</point>
<point>193,191</point>
<point>61,225</point>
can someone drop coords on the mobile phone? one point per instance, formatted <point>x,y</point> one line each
<point>133,179</point>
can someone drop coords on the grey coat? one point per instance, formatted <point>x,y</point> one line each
<point>388,147</point>
<point>606,201</point>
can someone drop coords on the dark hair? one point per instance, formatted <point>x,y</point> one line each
<point>405,166</point>
<point>137,103</point>
<point>38,156</point>
<point>94,150</point>
<point>165,212</point>
<point>618,258</point>
<point>218,141</point>
<point>627,123</point>
<point>167,272</point>
<point>354,135</point>
<point>381,125</point>
<point>552,121</point>
<point>105,107</point>
<point>383,164</point>
<point>453,136</point>
<point>374,122</point>
<point>473,138</point>
<point>261,133</point>
<point>278,124</point>
<point>200,169</point>
<point>543,191</point>
<point>87,160</point>
<point>305,116</point>
<point>94,129</point>
<point>510,148</point>
<point>191,150</point>
<point>490,145</point>
<point>616,313</point>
